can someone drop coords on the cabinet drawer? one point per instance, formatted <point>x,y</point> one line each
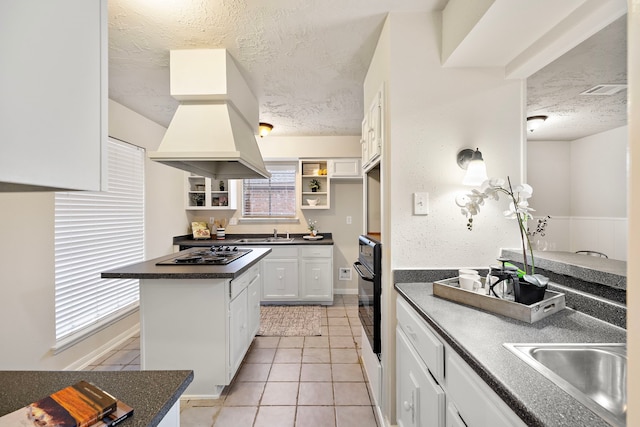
<point>477,404</point>
<point>427,345</point>
<point>317,251</point>
<point>241,283</point>
<point>283,252</point>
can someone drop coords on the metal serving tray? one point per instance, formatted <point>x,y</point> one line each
<point>450,289</point>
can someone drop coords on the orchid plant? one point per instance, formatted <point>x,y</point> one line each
<point>518,208</point>
<point>312,225</point>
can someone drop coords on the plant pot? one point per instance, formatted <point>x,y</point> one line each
<point>313,190</point>
<point>527,293</point>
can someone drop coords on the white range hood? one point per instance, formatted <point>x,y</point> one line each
<point>213,131</point>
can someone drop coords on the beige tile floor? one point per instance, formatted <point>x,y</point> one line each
<point>285,381</point>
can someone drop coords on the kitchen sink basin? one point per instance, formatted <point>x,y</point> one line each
<point>594,374</point>
<point>264,240</point>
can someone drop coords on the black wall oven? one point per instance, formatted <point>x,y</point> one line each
<point>369,267</point>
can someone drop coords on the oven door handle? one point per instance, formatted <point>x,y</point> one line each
<point>366,277</point>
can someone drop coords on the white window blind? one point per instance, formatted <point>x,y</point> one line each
<point>95,232</point>
<point>271,198</point>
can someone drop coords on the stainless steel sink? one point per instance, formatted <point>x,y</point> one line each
<point>594,374</point>
<point>264,240</point>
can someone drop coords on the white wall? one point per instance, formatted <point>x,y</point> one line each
<point>164,192</point>
<point>431,114</point>
<point>27,318</point>
<point>346,200</point>
<point>435,113</point>
<point>582,185</point>
<point>599,175</point>
<point>549,173</point>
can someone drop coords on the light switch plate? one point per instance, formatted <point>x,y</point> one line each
<point>421,203</point>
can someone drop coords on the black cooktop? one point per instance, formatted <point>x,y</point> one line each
<point>216,255</point>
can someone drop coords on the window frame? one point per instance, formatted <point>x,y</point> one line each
<point>271,167</point>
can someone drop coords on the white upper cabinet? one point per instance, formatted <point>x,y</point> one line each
<point>207,194</point>
<point>345,168</point>
<point>373,131</point>
<point>315,184</point>
<point>53,108</point>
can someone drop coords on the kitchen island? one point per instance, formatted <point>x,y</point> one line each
<point>153,395</point>
<point>197,317</point>
<point>477,337</point>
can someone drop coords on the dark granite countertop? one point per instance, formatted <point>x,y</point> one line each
<point>604,271</point>
<point>149,269</point>
<point>151,394</point>
<point>478,337</point>
<point>231,240</point>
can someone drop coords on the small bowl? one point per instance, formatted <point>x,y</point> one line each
<point>312,202</point>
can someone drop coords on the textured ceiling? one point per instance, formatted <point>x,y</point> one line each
<point>306,61</point>
<point>554,91</point>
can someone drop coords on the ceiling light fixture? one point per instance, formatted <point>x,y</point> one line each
<point>534,122</point>
<point>473,162</point>
<point>264,129</point>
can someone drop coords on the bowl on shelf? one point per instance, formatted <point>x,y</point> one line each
<point>312,202</point>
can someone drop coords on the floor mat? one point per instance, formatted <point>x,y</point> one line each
<point>290,320</point>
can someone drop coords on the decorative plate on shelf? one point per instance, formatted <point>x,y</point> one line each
<point>312,237</point>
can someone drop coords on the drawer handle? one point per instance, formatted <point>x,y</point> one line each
<point>407,406</point>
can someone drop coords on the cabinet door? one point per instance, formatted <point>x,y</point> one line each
<point>237,331</point>
<point>317,279</point>
<point>254,308</point>
<point>375,128</point>
<point>280,279</point>
<point>420,400</point>
<point>345,168</point>
<point>364,142</point>
<point>53,81</point>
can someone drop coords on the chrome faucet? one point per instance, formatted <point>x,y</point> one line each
<point>275,233</point>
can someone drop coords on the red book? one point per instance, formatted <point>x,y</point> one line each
<point>79,405</point>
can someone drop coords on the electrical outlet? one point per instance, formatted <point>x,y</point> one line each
<point>349,219</point>
<point>345,273</point>
<point>421,203</point>
<point>233,221</point>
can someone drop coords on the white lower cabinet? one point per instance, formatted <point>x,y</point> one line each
<point>280,272</point>
<point>316,277</point>
<point>204,325</point>
<point>430,375</point>
<point>253,315</point>
<point>420,399</point>
<point>298,274</point>
<point>238,329</point>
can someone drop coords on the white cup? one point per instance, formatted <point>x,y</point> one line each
<point>467,271</point>
<point>469,281</point>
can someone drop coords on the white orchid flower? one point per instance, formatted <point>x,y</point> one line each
<point>524,191</point>
<point>518,207</point>
<point>521,208</point>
